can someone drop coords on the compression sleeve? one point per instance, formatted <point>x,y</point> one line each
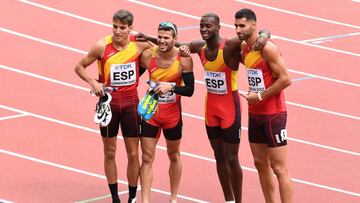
<point>188,89</point>
<point>141,70</point>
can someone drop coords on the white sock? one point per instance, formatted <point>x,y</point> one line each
<point>232,201</point>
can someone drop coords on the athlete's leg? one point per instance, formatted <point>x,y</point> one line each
<point>109,159</point>
<point>279,164</point>
<point>235,171</point>
<point>262,164</point>
<point>133,166</point>
<point>222,168</point>
<point>175,169</point>
<point>146,174</point>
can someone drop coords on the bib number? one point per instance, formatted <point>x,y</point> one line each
<point>255,80</point>
<point>123,74</point>
<point>215,82</point>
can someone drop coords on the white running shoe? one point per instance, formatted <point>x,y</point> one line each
<point>103,113</point>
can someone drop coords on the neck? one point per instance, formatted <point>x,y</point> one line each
<point>213,43</point>
<point>121,44</point>
<point>252,39</point>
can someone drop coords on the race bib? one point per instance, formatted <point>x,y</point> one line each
<point>256,80</point>
<point>169,97</point>
<point>122,74</point>
<point>215,82</point>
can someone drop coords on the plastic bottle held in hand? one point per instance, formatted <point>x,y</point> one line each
<point>148,104</point>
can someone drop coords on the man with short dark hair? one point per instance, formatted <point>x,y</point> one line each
<point>267,77</point>
<point>174,75</point>
<point>118,59</point>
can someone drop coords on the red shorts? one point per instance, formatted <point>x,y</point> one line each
<point>124,114</point>
<point>168,118</point>
<point>268,129</point>
<point>223,117</point>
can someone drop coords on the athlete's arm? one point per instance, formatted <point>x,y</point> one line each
<point>232,53</point>
<point>281,76</point>
<point>145,59</point>
<point>95,53</point>
<point>188,77</point>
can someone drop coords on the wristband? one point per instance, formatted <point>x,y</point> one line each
<point>259,96</point>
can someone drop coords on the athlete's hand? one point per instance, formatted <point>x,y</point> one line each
<point>163,88</point>
<point>184,51</point>
<point>141,37</point>
<point>251,97</point>
<point>97,88</point>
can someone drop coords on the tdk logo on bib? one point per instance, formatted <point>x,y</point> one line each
<point>215,82</point>
<point>256,80</point>
<point>123,74</point>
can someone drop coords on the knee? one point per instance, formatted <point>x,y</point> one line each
<point>233,160</point>
<point>133,156</point>
<point>110,154</point>
<point>147,158</point>
<point>261,165</point>
<point>279,170</point>
<point>174,156</point>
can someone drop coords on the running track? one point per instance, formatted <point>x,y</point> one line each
<point>50,151</point>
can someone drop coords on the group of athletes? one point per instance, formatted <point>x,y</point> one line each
<point>129,56</point>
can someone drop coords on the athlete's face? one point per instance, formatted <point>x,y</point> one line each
<point>165,40</point>
<point>208,28</point>
<point>244,28</point>
<point>121,31</point>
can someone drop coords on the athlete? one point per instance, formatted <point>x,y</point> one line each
<point>174,74</point>
<point>118,63</point>
<point>267,77</point>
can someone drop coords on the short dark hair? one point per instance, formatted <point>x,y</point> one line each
<point>246,13</point>
<point>124,16</point>
<point>212,15</point>
<point>167,26</point>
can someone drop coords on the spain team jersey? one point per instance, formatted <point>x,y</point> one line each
<point>259,78</point>
<point>170,75</point>
<point>219,79</point>
<point>120,68</point>
<point>222,106</point>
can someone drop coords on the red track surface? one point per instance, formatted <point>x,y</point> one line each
<point>51,151</point>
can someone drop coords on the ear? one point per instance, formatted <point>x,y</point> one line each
<point>131,27</point>
<point>218,27</point>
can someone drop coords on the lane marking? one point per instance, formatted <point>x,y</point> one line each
<point>48,163</point>
<point>5,201</point>
<point>13,116</point>
<point>100,198</point>
<point>157,190</point>
<point>232,27</point>
<point>177,13</point>
<point>84,52</point>
<point>298,14</point>
<point>331,37</point>
<point>302,78</point>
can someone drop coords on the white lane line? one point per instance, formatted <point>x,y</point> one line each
<point>5,201</point>
<point>298,14</point>
<point>42,41</point>
<point>161,148</point>
<point>13,116</point>
<point>84,172</point>
<point>182,14</point>
<point>232,27</point>
<point>84,52</point>
<point>331,37</point>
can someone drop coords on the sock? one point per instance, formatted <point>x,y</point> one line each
<point>132,192</point>
<point>114,192</point>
